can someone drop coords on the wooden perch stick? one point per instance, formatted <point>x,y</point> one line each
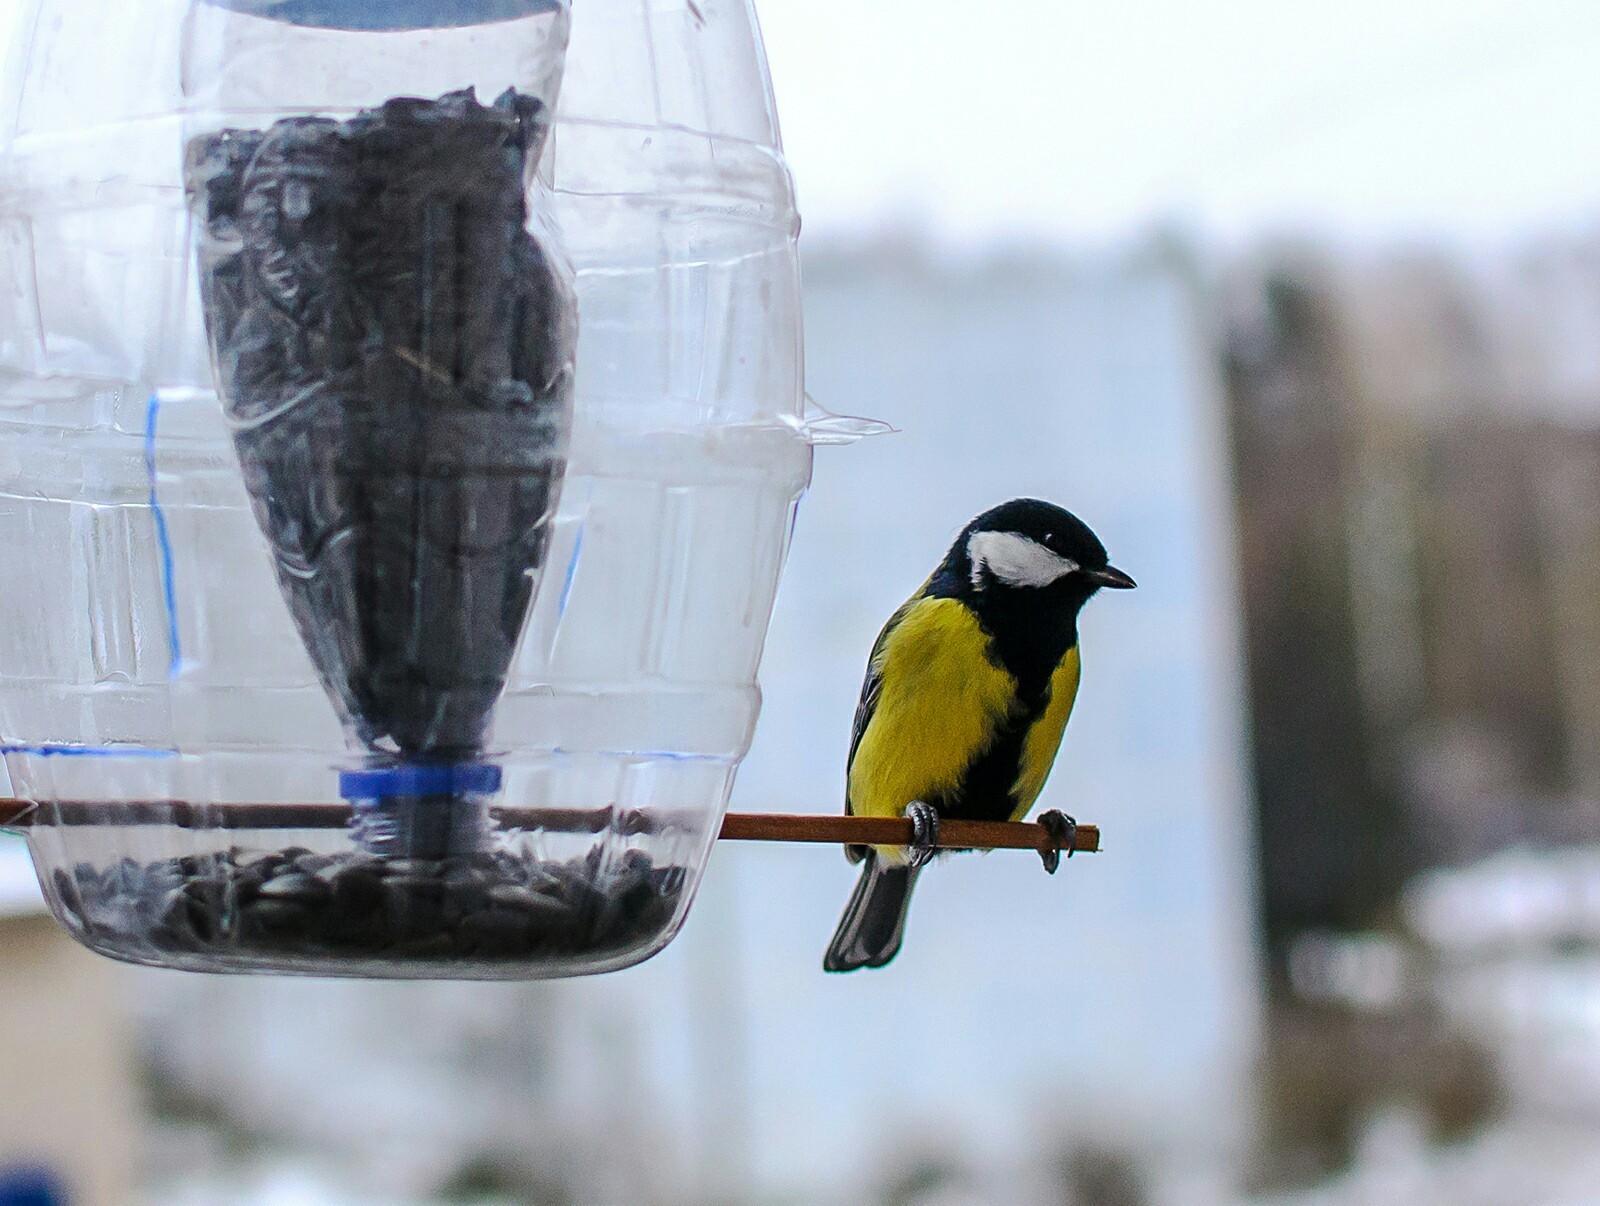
<point>896,831</point>
<point>736,826</point>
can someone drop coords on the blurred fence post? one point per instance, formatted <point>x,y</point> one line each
<point>69,1109</point>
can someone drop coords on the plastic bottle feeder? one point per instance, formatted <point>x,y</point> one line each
<point>400,429</point>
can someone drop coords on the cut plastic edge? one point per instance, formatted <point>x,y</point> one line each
<point>821,427</point>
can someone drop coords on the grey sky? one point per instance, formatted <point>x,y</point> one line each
<point>1081,120</point>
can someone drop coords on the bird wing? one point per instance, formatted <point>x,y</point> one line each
<point>934,701</point>
<point>872,687</point>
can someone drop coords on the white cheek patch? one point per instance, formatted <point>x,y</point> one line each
<point>1015,560</point>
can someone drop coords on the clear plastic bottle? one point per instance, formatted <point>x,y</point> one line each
<point>357,697</point>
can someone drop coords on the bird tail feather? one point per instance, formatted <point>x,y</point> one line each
<point>874,922</point>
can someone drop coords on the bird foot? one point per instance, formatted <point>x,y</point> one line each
<point>924,820</point>
<point>1063,831</point>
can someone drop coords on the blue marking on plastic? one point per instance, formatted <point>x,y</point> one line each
<point>380,783</point>
<point>572,572</point>
<point>163,537</point>
<point>663,755</point>
<point>87,751</point>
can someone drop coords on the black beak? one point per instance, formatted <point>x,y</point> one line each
<point>1111,577</point>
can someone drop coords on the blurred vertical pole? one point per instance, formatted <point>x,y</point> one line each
<point>1385,592</point>
<point>721,1039</point>
<point>69,1101</point>
<point>1569,500</point>
<point>1333,841</point>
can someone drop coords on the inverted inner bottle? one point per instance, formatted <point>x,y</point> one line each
<point>394,350</point>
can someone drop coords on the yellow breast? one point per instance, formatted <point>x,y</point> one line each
<point>941,702</point>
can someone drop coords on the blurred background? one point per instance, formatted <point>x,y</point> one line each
<point>1299,308</point>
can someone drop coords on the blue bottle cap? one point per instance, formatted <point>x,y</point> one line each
<point>420,779</point>
<point>379,15</point>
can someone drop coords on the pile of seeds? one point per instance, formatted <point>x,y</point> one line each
<point>478,907</point>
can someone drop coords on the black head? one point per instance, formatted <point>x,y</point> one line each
<point>1026,546</point>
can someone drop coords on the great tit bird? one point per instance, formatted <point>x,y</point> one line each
<point>967,694</point>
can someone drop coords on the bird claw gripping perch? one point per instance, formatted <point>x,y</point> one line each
<point>1063,831</point>
<point>924,832</point>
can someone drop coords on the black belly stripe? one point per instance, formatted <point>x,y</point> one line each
<point>985,791</point>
